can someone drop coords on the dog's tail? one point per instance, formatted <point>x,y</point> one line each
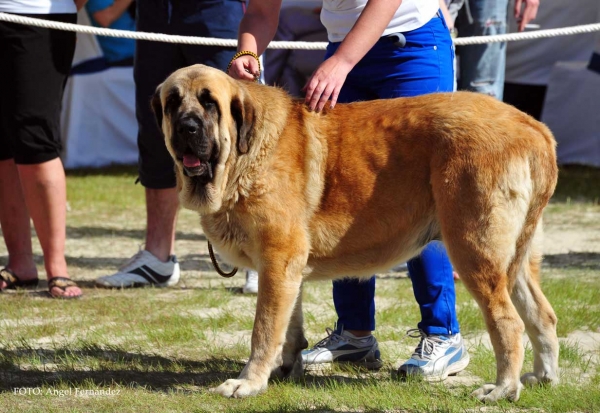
<point>544,175</point>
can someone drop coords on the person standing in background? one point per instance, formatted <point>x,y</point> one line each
<point>156,264</point>
<point>34,66</point>
<point>482,66</point>
<point>114,14</point>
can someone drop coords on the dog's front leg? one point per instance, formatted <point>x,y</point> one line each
<point>289,365</point>
<point>278,289</point>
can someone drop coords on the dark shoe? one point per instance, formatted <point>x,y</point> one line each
<point>341,346</point>
<point>13,282</point>
<point>61,283</point>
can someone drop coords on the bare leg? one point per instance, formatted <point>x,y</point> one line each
<point>45,190</point>
<point>162,206</point>
<point>14,219</point>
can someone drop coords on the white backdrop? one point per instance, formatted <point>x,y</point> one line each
<point>98,117</point>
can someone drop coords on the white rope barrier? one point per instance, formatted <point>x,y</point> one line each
<point>211,41</point>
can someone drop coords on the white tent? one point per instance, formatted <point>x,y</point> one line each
<point>99,127</point>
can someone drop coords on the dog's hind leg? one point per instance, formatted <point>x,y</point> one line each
<point>483,271</point>
<point>538,315</point>
<point>289,364</point>
<point>480,237</point>
<point>506,330</point>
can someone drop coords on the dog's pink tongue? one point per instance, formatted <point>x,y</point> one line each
<point>191,161</point>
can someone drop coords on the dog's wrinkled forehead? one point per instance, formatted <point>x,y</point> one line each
<point>195,82</point>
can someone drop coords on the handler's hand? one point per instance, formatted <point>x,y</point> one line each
<point>79,4</point>
<point>244,68</point>
<point>326,82</point>
<point>527,14</point>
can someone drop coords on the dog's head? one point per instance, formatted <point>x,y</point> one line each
<point>207,121</point>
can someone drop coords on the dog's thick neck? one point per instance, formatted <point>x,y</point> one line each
<point>243,176</point>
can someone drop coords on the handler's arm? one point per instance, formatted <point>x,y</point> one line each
<point>80,3</point>
<point>107,16</point>
<point>257,29</point>
<point>329,77</point>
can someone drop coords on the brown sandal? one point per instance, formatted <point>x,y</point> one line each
<point>13,282</point>
<point>62,283</point>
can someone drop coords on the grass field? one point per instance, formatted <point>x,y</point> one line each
<point>162,349</point>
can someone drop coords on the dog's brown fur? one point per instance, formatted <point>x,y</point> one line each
<point>300,195</point>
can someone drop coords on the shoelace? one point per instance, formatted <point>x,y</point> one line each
<point>131,260</point>
<point>427,345</point>
<point>332,337</point>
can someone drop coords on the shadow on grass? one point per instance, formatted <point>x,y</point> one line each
<point>573,260</point>
<point>64,367</point>
<point>151,372</point>
<point>188,262</point>
<point>101,232</point>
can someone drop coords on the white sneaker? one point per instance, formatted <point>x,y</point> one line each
<point>436,357</point>
<point>141,270</point>
<point>344,347</point>
<point>251,286</point>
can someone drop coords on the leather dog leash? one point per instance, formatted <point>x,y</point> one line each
<point>216,264</point>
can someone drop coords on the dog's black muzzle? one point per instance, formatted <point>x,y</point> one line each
<point>194,148</point>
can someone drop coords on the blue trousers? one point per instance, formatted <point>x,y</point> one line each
<point>423,65</point>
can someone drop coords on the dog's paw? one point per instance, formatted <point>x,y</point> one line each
<point>295,371</point>
<point>239,388</point>
<point>533,379</point>
<point>491,393</point>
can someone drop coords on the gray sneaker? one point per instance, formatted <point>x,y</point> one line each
<point>344,347</point>
<point>436,357</point>
<point>141,270</point>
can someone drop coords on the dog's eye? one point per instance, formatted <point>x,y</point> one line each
<point>172,102</point>
<point>207,101</point>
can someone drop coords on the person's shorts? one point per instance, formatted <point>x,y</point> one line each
<point>34,65</point>
<point>155,61</point>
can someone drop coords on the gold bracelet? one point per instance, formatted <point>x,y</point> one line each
<point>244,53</point>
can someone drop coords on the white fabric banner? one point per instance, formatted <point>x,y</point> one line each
<point>98,121</point>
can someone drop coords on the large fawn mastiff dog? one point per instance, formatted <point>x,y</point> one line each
<point>301,195</point>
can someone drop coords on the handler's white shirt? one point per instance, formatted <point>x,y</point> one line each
<point>338,16</point>
<point>37,6</point>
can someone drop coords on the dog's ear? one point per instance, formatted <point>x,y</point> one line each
<point>243,115</point>
<point>157,106</point>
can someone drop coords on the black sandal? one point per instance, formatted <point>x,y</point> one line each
<point>62,283</point>
<point>13,282</point>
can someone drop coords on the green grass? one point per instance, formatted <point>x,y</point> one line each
<point>577,184</point>
<point>162,350</point>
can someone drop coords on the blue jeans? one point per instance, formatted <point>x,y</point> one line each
<point>423,65</point>
<point>482,66</point>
